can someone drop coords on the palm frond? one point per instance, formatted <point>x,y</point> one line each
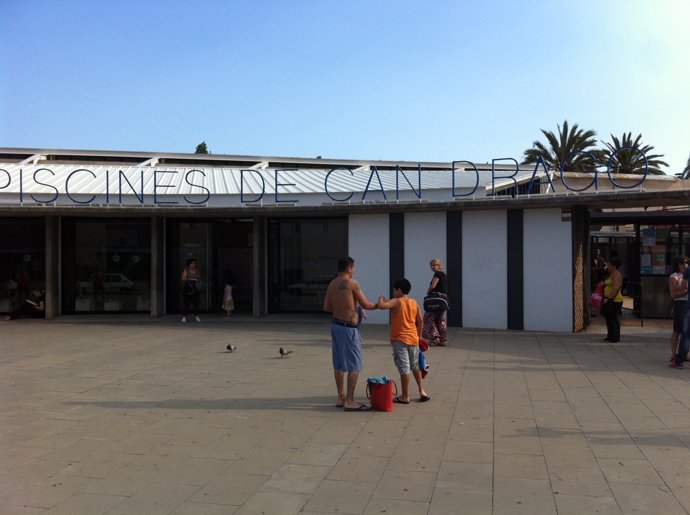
<point>631,156</point>
<point>570,149</point>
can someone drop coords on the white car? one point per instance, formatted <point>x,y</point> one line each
<point>314,286</point>
<point>112,283</point>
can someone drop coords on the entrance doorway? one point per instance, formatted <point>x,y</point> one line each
<point>647,252</point>
<point>223,251</point>
<point>232,260</point>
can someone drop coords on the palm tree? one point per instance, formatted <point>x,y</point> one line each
<point>629,156</point>
<point>685,174</point>
<point>573,150</point>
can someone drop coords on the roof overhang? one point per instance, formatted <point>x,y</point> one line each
<point>299,185</point>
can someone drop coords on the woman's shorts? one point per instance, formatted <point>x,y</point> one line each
<point>406,357</point>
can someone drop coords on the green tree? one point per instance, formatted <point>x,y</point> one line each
<point>201,148</point>
<point>628,156</point>
<point>573,150</point>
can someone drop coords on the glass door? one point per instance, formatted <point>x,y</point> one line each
<point>233,262</point>
<point>187,240</point>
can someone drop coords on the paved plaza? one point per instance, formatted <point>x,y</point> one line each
<point>132,415</point>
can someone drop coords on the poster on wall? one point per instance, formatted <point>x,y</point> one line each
<point>658,253</point>
<point>649,236</point>
<point>645,264</point>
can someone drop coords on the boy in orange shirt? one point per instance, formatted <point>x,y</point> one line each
<point>406,330</point>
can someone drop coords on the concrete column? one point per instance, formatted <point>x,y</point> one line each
<point>52,270</point>
<point>259,294</point>
<point>157,266</point>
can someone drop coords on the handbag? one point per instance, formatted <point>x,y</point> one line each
<point>436,302</point>
<point>380,393</point>
<point>597,297</point>
<point>423,345</point>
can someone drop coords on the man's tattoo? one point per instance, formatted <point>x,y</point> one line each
<point>343,285</point>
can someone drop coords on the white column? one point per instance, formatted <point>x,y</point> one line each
<point>484,272</point>
<point>425,239</point>
<point>368,245</point>
<point>548,282</point>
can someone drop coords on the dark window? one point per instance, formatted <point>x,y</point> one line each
<point>303,256</point>
<point>106,266</point>
<point>22,260</point>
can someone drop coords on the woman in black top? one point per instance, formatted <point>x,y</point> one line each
<point>191,279</point>
<point>434,321</point>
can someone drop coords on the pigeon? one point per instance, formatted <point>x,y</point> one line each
<point>284,352</point>
<point>231,347</point>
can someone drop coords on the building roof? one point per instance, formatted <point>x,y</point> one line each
<point>79,179</point>
<point>115,157</point>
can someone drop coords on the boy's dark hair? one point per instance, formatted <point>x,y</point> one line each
<point>615,261</point>
<point>403,285</point>
<point>345,263</point>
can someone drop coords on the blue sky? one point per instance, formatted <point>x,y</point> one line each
<point>394,80</point>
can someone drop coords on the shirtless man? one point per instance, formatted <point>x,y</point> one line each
<point>342,297</point>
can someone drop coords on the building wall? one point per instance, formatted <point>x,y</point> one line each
<point>368,245</point>
<point>484,269</point>
<point>425,239</point>
<point>547,271</point>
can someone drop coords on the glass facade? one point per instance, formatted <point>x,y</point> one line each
<point>22,260</point>
<point>647,253</point>
<point>106,266</point>
<point>303,257</point>
<point>223,250</point>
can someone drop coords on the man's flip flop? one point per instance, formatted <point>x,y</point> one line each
<point>424,398</point>
<point>361,407</point>
<point>398,400</point>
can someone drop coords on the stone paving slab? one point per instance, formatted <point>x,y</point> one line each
<point>127,414</point>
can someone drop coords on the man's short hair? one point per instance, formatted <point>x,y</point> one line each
<point>345,263</point>
<point>403,285</point>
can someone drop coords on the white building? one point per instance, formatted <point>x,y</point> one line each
<point>110,232</point>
